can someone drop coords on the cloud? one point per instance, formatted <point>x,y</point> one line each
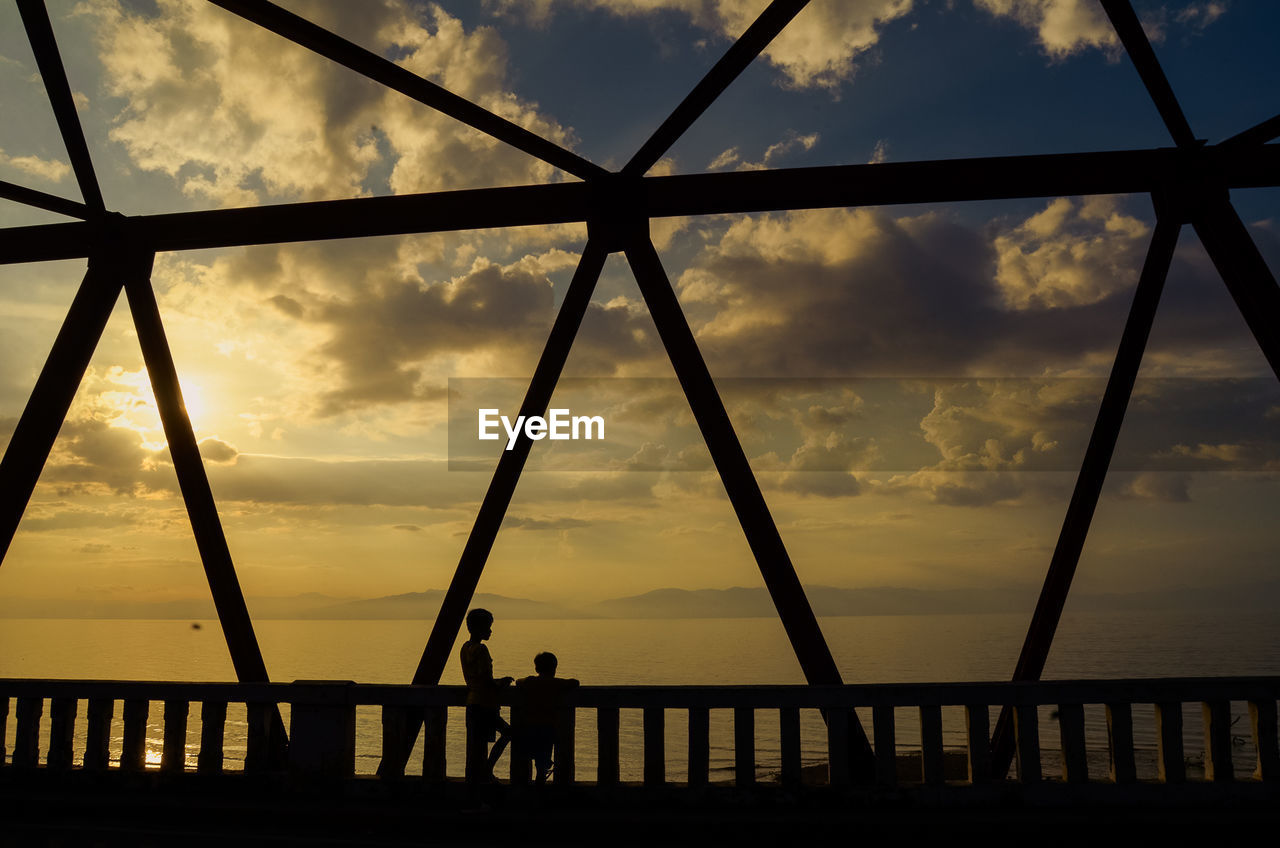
<point>216,450</point>
<point>1070,254</point>
<point>860,293</point>
<point>1066,27</point>
<point>236,114</point>
<point>1063,27</point>
<point>1164,487</point>
<point>818,48</point>
<point>53,170</point>
<point>773,154</point>
<point>1201,15</point>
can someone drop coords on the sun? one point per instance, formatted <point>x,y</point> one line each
<point>193,398</point>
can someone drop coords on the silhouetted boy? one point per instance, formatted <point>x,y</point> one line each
<point>542,700</point>
<point>484,723</point>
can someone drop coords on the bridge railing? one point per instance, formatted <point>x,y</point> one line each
<point>323,729</point>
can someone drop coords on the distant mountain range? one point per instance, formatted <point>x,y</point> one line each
<point>736,602</point>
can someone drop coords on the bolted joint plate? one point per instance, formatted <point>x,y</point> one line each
<point>1194,189</point>
<point>619,213</point>
<point>115,244</point>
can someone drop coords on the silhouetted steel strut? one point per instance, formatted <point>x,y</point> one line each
<point>1245,272</point>
<point>41,200</point>
<point>35,18</point>
<point>1134,39</point>
<point>741,53</point>
<point>942,181</point>
<point>1093,473</point>
<point>740,484</point>
<point>54,391</point>
<point>319,40</point>
<point>228,598</point>
<point>1261,133</point>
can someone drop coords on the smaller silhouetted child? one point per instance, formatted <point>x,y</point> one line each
<point>543,697</point>
<point>484,722</point>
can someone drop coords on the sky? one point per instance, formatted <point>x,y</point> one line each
<point>914,386</point>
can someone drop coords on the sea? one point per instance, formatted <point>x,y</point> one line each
<point>749,651</point>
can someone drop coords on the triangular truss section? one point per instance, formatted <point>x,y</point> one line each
<point>1189,184</point>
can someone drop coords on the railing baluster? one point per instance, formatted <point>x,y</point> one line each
<point>97,748</point>
<point>1262,715</point>
<point>838,747</point>
<point>1075,763</point>
<point>133,751</point>
<point>435,723</point>
<point>213,728</point>
<point>26,743</point>
<point>977,721</point>
<point>1217,741</point>
<point>789,730</point>
<point>62,728</point>
<point>607,723</point>
<point>655,760</point>
<point>173,755</point>
<point>519,757</point>
<point>885,735</point>
<point>566,766</point>
<point>699,746</point>
<point>744,746</point>
<point>1120,742</point>
<point>1170,767</point>
<point>257,753</point>
<point>395,741</point>
<point>931,744</point>
<point>1026,729</point>
<point>4,727</point>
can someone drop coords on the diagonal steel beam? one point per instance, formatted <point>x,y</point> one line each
<point>1129,29</point>
<point>54,391</point>
<point>319,40</point>
<point>503,485</point>
<point>1093,473</point>
<point>192,480</point>
<point>942,181</point>
<point>1245,272</point>
<point>453,609</point>
<point>740,484</point>
<point>1261,133</point>
<point>741,54</point>
<point>35,18</point>
<point>41,200</point>
<point>215,556</point>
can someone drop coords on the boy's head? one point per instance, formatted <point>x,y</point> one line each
<point>545,663</point>
<point>479,623</point>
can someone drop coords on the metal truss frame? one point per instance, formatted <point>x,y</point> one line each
<point>1189,184</point>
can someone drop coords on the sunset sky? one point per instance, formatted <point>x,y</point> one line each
<point>914,385</point>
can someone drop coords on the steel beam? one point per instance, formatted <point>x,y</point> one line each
<point>1261,133</point>
<point>1245,272</point>
<point>41,200</point>
<point>510,463</point>
<point>35,18</point>
<point>740,54</point>
<point>1093,473</point>
<point>319,40</point>
<point>1134,39</point>
<point>192,480</point>
<point>740,484</point>
<point>943,181</point>
<point>54,391</point>
<point>211,542</point>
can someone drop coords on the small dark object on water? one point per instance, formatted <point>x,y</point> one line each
<point>195,625</point>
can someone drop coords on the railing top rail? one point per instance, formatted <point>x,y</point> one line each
<point>1141,690</point>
